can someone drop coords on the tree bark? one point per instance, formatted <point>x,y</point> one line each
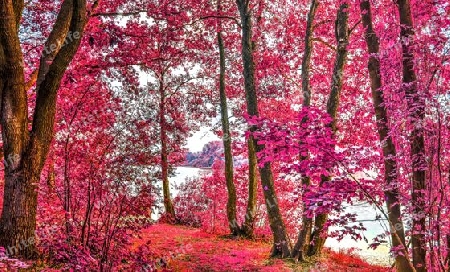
<point>392,194</point>
<point>168,205</point>
<point>54,42</point>
<point>26,151</point>
<point>231,189</point>
<point>301,247</point>
<point>447,258</point>
<point>249,222</point>
<point>67,188</point>
<point>282,245</point>
<point>416,114</point>
<point>318,236</point>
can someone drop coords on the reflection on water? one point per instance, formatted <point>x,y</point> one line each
<point>365,213</point>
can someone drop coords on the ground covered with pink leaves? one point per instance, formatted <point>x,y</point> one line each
<point>179,248</point>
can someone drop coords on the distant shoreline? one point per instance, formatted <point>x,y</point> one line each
<point>189,166</point>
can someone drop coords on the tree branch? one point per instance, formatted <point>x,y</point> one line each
<point>54,41</point>
<point>325,43</point>
<point>353,27</point>
<point>44,115</point>
<point>221,17</point>
<point>112,14</point>
<point>321,23</point>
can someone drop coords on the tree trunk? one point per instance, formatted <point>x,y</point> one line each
<point>402,262</point>
<point>168,205</point>
<point>416,114</point>
<point>26,152</point>
<point>56,37</point>
<point>87,216</point>
<point>447,258</point>
<point>319,237</point>
<point>301,247</point>
<point>249,223</point>
<point>447,241</point>
<point>18,221</point>
<point>19,213</point>
<point>67,188</point>
<point>231,203</point>
<point>282,245</point>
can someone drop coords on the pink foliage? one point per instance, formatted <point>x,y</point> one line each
<point>101,179</point>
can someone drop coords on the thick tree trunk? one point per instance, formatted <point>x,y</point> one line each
<point>319,237</point>
<point>231,189</point>
<point>26,152</point>
<point>301,247</point>
<point>282,245</point>
<point>402,262</point>
<point>168,205</point>
<point>19,213</point>
<point>416,114</point>
<point>18,221</point>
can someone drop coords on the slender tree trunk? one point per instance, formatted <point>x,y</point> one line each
<point>447,258</point>
<point>27,151</point>
<point>392,194</point>
<point>282,244</point>
<point>168,205</point>
<point>301,247</point>
<point>416,114</point>
<point>249,222</point>
<point>319,236</point>
<point>67,188</point>
<point>231,203</point>
<point>86,228</point>
<point>87,215</point>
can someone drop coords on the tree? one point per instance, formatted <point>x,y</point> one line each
<point>388,147</point>
<point>175,81</point>
<point>311,242</point>
<point>219,19</point>
<point>282,244</point>
<point>302,245</point>
<point>231,189</point>
<point>28,149</point>
<point>416,114</point>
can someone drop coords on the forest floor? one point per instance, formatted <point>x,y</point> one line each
<point>180,248</point>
